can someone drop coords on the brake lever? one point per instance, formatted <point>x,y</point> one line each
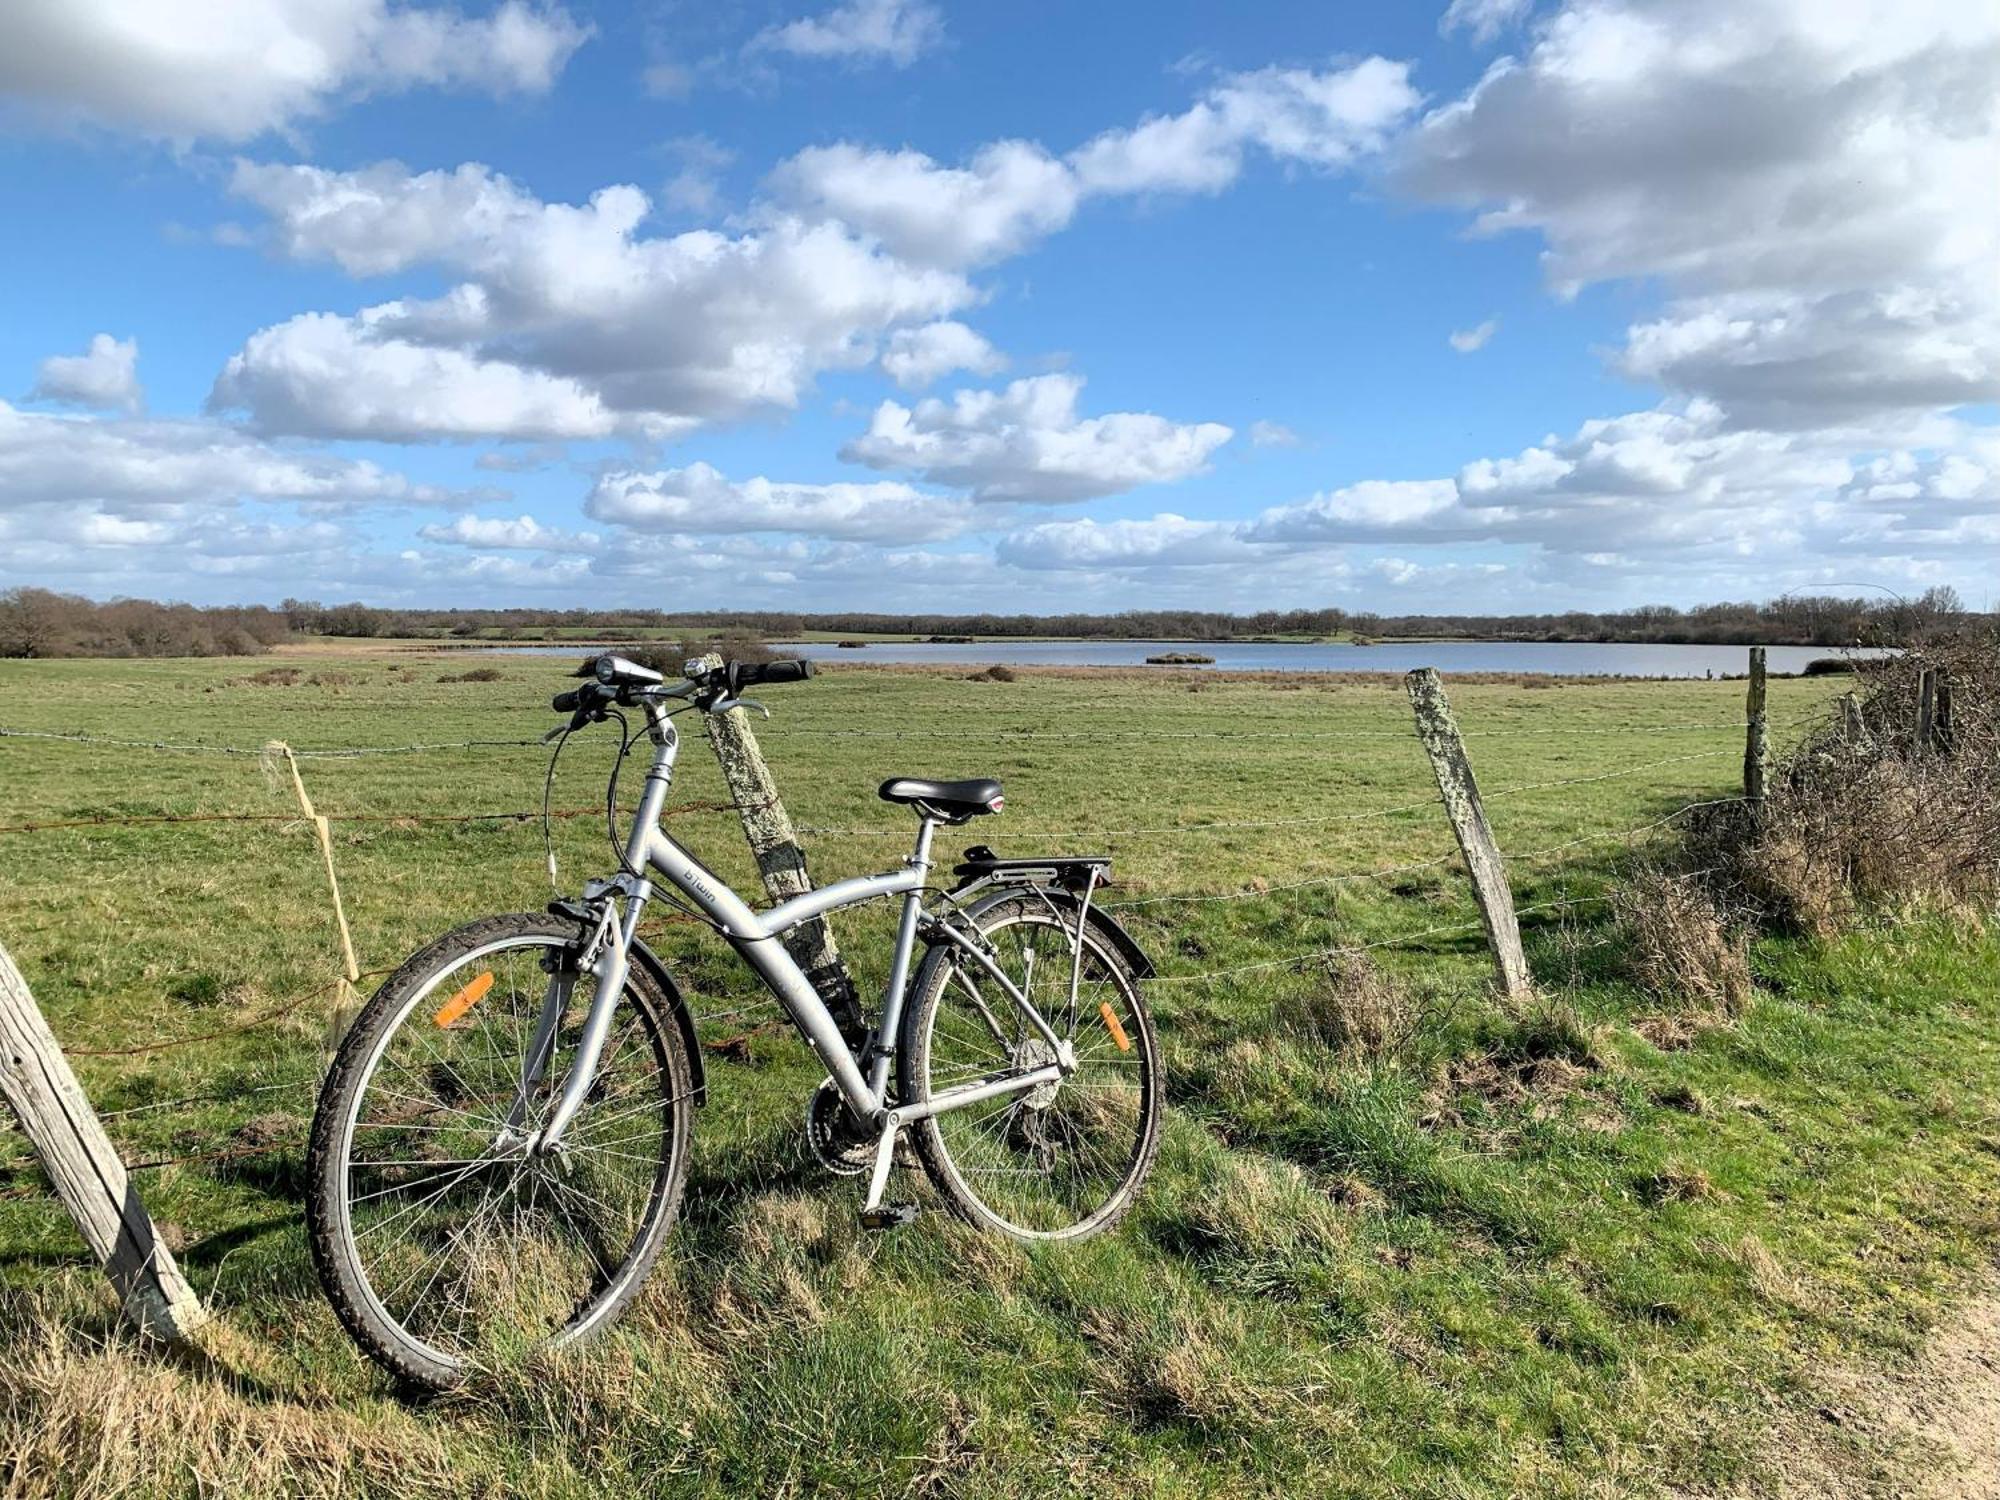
<point>726,704</point>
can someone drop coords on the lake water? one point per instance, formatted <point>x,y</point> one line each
<point>1566,659</point>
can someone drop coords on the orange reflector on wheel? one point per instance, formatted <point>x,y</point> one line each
<point>464,1000</point>
<point>1111,1024</point>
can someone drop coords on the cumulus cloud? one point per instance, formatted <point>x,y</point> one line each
<point>263,64</point>
<point>1028,443</point>
<point>324,376</point>
<point>1323,119</point>
<point>1668,491</point>
<point>1745,153</point>
<point>1006,197</point>
<point>1009,194</point>
<point>897,32</point>
<point>570,321</point>
<point>918,356</point>
<point>133,463</point>
<point>105,377</point>
<point>1471,340</point>
<point>700,499</point>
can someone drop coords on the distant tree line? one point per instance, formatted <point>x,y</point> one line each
<point>38,622</point>
<point>1797,620</point>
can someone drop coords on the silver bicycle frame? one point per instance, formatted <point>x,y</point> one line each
<point>756,936</point>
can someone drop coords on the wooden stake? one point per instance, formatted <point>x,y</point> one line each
<point>1757,732</point>
<point>767,828</point>
<point>347,1004</point>
<point>88,1174</point>
<point>1927,708</point>
<point>1439,732</point>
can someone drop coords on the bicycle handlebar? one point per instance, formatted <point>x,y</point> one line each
<point>587,703</point>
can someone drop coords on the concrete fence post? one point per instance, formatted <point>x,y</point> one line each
<point>1460,793</point>
<point>88,1173</point>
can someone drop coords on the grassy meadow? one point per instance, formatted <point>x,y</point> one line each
<point>1585,1249</point>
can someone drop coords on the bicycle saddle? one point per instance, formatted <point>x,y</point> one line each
<point>953,800</point>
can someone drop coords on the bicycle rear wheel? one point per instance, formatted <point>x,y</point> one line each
<point>1061,1161</point>
<point>444,1244</point>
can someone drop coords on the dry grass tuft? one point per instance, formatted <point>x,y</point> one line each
<point>1678,946</point>
<point>1677,1182</point>
<point>1352,1007</point>
<point>113,1416</point>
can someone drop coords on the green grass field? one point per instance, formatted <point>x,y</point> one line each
<point>1532,1254</point>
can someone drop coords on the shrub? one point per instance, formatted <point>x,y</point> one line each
<point>477,674</point>
<point>275,677</point>
<point>1873,820</point>
<point>994,673</point>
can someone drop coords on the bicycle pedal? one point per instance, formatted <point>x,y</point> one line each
<point>889,1216</point>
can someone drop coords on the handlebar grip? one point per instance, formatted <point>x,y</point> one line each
<point>565,703</point>
<point>754,674</point>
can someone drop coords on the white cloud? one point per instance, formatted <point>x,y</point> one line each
<point>1470,340</point>
<point>578,322</point>
<point>918,356</point>
<point>1028,443</point>
<point>1009,194</point>
<point>1324,119</point>
<point>522,534</point>
<point>700,499</point>
<point>1742,152</point>
<point>231,72</point>
<point>1006,197</point>
<point>1273,435</point>
<point>1164,540</point>
<point>324,376</point>
<point>892,31</point>
<point>105,377</point>
<point>1484,19</point>
<point>57,459</point>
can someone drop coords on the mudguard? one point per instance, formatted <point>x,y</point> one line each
<point>656,971</point>
<point>1102,922</point>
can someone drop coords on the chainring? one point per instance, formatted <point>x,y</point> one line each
<point>831,1136</point>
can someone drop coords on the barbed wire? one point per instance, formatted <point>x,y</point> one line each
<point>1349,949</point>
<point>335,752</point>
<point>684,809</point>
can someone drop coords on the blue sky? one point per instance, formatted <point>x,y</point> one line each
<point>896,304</point>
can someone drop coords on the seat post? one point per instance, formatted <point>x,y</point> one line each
<point>921,855</point>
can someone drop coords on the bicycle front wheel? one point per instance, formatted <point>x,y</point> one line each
<point>446,1244</point>
<point>1063,1160</point>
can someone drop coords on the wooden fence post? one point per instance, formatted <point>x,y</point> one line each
<point>88,1173</point>
<point>767,827</point>
<point>1439,732</point>
<point>1851,726</point>
<point>1941,718</point>
<point>1756,732</point>
<point>1927,708</point>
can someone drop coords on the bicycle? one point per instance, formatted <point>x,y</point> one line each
<point>500,1146</point>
